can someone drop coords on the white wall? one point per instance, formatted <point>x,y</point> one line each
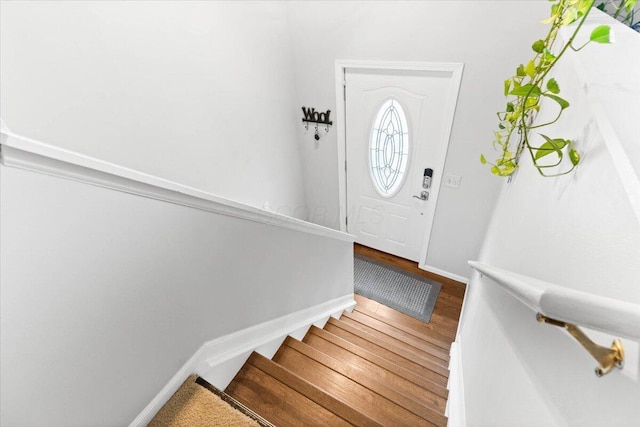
<point>578,231</point>
<point>489,37</point>
<point>105,295</point>
<point>199,93</point>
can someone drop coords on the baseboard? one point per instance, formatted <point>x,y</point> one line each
<point>444,273</point>
<point>455,410</point>
<point>218,361</point>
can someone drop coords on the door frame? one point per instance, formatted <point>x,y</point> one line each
<point>341,66</point>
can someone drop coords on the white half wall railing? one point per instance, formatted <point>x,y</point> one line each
<point>613,93</point>
<point>565,307</point>
<point>116,285</point>
<point>25,153</point>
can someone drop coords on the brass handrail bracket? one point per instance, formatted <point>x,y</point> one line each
<point>607,357</point>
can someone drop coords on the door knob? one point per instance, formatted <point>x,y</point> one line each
<point>424,195</point>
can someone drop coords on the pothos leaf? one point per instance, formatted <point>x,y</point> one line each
<point>531,102</point>
<point>551,146</point>
<point>508,168</point>
<point>561,101</point>
<point>554,14</point>
<point>530,69</point>
<point>538,46</point>
<point>483,159</point>
<point>583,6</point>
<point>529,89</point>
<point>548,56</point>
<point>570,15</point>
<point>553,86</point>
<point>629,5</point>
<point>507,86</point>
<point>601,34</point>
<point>574,156</point>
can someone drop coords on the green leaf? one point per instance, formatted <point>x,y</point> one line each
<point>510,107</point>
<point>531,102</point>
<point>554,14</point>
<point>561,101</point>
<point>530,69</point>
<point>629,5</point>
<point>570,15</point>
<point>583,6</point>
<point>483,159</point>
<point>551,146</point>
<point>574,156</point>
<point>538,46</point>
<point>508,168</point>
<point>495,170</point>
<point>529,89</point>
<point>601,34</point>
<point>602,7</point>
<point>507,86</point>
<point>552,86</point>
<point>548,56</point>
<point>520,71</point>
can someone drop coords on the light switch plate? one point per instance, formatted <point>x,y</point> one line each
<point>452,181</point>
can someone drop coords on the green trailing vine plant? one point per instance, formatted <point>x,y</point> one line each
<point>525,91</point>
<point>622,10</point>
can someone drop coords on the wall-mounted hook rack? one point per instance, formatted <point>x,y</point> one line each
<point>319,118</point>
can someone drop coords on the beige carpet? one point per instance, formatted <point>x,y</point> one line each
<point>193,405</point>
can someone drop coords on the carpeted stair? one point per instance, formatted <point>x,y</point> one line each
<point>197,404</point>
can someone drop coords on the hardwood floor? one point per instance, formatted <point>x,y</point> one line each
<point>446,313</point>
<point>372,367</point>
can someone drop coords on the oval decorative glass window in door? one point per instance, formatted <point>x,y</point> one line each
<point>389,148</point>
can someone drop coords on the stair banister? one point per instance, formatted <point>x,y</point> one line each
<point>564,307</point>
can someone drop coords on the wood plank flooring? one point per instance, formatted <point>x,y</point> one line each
<point>372,367</point>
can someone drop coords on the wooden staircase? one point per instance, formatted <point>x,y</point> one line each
<point>372,367</point>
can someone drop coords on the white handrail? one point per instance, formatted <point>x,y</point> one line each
<point>596,312</point>
<point>25,153</point>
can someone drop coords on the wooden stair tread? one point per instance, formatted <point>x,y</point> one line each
<point>386,374</point>
<point>436,374</point>
<point>398,334</point>
<point>421,352</point>
<point>437,388</point>
<point>355,387</point>
<point>373,367</point>
<point>277,402</point>
<point>445,329</point>
<point>310,391</point>
<point>426,331</point>
<point>361,337</point>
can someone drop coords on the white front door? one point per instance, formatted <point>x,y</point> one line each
<point>397,131</point>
